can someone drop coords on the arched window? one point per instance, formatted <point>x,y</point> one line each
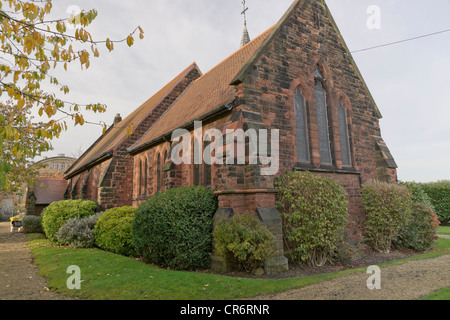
<point>207,167</point>
<point>140,178</point>
<point>145,180</point>
<point>344,136</point>
<point>301,127</point>
<point>196,163</point>
<point>322,120</point>
<point>158,173</point>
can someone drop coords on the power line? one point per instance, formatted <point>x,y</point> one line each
<point>402,41</point>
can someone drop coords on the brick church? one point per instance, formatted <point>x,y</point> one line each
<point>298,77</point>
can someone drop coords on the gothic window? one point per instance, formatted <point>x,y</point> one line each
<point>158,173</point>
<point>196,165</point>
<point>301,126</point>
<point>344,136</point>
<point>140,178</point>
<point>322,120</point>
<point>145,171</point>
<point>207,167</point>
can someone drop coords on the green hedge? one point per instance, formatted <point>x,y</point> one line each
<point>113,231</point>
<point>439,193</point>
<point>314,210</point>
<point>32,224</point>
<point>57,213</point>
<point>174,228</point>
<point>388,208</point>
<point>244,241</point>
<point>420,232</point>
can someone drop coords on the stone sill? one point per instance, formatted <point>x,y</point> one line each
<point>349,170</point>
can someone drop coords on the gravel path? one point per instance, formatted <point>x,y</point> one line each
<point>18,277</point>
<point>409,281</point>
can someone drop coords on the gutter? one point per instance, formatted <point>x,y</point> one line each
<point>106,156</point>
<point>188,125</point>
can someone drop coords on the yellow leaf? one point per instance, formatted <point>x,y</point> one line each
<point>16,76</point>
<point>20,103</point>
<point>46,66</point>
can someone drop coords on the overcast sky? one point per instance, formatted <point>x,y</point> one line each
<point>409,81</point>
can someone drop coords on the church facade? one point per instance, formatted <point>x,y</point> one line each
<point>298,80</point>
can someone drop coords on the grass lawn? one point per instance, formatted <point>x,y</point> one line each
<point>444,230</point>
<point>443,294</point>
<point>108,276</point>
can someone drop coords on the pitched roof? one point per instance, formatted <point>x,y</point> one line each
<point>116,134</point>
<point>207,93</point>
<point>49,190</point>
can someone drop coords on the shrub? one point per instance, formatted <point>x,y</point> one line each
<point>57,213</point>
<point>388,208</point>
<point>78,232</point>
<point>418,193</point>
<point>174,228</point>
<point>113,231</point>
<point>439,193</point>
<point>314,210</point>
<point>32,224</point>
<point>244,241</point>
<point>420,233</point>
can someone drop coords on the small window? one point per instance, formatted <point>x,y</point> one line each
<point>207,167</point>
<point>196,162</point>
<point>158,173</point>
<point>145,180</point>
<point>140,177</point>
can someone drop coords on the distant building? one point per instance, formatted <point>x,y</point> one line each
<point>50,186</point>
<point>55,166</point>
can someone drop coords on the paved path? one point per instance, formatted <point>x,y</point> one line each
<point>18,277</point>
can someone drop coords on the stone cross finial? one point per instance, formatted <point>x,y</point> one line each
<point>245,36</point>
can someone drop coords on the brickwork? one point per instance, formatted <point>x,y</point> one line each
<point>112,186</point>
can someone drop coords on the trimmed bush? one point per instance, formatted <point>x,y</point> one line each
<point>388,208</point>
<point>439,193</point>
<point>57,213</point>
<point>244,241</point>
<point>174,228</point>
<point>314,210</point>
<point>113,231</point>
<point>32,224</point>
<point>78,232</point>
<point>420,233</point>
